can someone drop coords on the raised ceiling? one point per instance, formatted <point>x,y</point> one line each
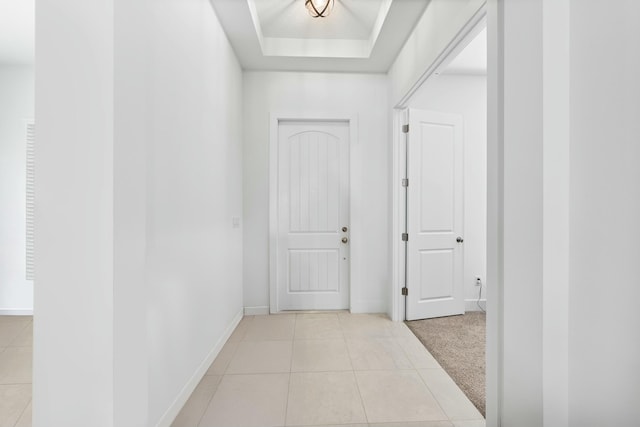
<point>353,19</point>
<point>358,35</point>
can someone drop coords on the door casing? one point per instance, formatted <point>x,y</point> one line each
<point>400,118</point>
<point>355,210</point>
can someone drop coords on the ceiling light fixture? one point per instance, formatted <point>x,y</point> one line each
<point>319,8</point>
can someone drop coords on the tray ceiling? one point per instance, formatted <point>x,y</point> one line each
<point>358,35</point>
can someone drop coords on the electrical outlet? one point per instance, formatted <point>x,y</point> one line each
<point>478,281</point>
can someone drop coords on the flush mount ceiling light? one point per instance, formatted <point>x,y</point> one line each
<point>319,8</point>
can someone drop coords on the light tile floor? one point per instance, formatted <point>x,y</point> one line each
<point>326,369</point>
<point>16,336</point>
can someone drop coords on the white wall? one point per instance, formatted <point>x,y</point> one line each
<point>16,105</point>
<point>438,26</point>
<point>194,179</point>
<point>73,372</point>
<point>288,92</point>
<point>605,214</point>
<point>139,174</point>
<point>466,95</point>
<point>521,219</point>
<point>567,107</point>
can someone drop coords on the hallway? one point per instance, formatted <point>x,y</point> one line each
<point>326,369</point>
<point>290,369</point>
<point>140,208</point>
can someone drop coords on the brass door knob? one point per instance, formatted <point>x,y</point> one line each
<point>345,240</point>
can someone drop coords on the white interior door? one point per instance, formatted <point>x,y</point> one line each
<point>435,215</point>
<point>313,215</point>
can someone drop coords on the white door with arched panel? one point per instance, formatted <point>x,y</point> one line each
<point>313,215</point>
<point>435,215</point>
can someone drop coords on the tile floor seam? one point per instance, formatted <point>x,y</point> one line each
<point>397,341</point>
<point>447,419</point>
<point>233,355</point>
<point>9,346</point>
<point>286,405</point>
<point>364,408</point>
<point>293,339</point>
<point>406,352</point>
<point>434,396</point>
<point>208,403</point>
<point>23,411</point>
<point>467,401</point>
<point>322,372</point>
<point>18,335</point>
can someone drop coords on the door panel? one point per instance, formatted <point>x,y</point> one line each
<point>436,274</point>
<point>436,156</point>
<point>313,206</point>
<point>313,270</point>
<point>314,181</point>
<point>434,215</point>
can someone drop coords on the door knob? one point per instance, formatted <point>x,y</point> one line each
<point>345,240</point>
<point>345,229</point>
<point>459,239</point>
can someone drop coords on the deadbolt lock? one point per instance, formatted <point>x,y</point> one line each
<point>345,229</point>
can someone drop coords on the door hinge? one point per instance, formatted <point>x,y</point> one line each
<point>405,128</point>
<point>405,182</point>
<point>405,237</point>
<point>405,291</point>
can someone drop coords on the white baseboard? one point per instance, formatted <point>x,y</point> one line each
<point>472,304</point>
<point>369,306</point>
<point>16,312</point>
<point>256,311</point>
<point>173,411</point>
<point>358,307</point>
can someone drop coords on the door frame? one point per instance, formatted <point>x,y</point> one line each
<point>400,117</point>
<point>355,211</point>
<point>491,16</point>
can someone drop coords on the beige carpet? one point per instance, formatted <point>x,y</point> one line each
<point>458,344</point>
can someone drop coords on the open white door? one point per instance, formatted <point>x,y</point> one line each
<point>434,215</point>
<point>313,215</point>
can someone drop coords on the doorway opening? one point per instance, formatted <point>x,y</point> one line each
<point>17,111</point>
<point>440,155</point>
<point>17,161</point>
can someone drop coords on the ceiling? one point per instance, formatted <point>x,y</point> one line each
<point>17,31</point>
<point>352,19</point>
<point>472,59</point>
<point>358,35</point>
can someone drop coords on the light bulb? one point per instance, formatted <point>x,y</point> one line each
<point>319,8</point>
